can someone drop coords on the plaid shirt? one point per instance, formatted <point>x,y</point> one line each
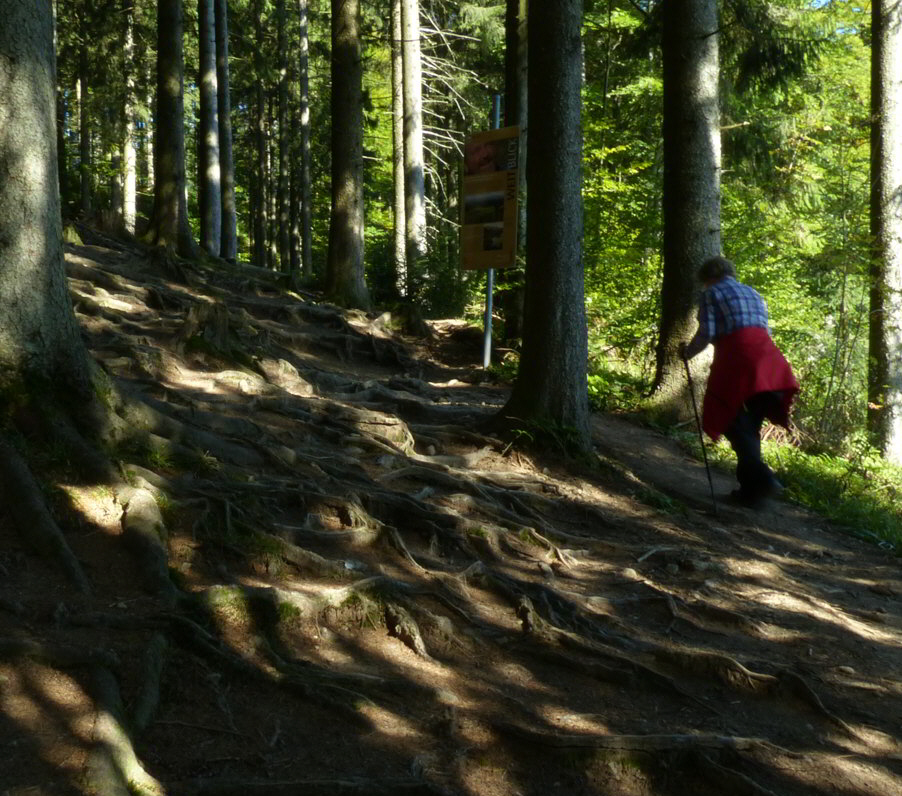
<point>729,305</point>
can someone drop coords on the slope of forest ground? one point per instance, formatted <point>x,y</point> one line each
<point>327,578</point>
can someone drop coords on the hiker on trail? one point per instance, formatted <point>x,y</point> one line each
<point>750,379</point>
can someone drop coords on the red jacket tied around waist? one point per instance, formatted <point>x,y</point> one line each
<point>746,362</point>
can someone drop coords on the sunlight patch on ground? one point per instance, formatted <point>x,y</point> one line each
<point>51,708</point>
<point>388,723</point>
<point>97,505</point>
<point>818,609</point>
<point>572,723</point>
<point>848,774</point>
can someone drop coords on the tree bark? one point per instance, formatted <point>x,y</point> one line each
<point>208,170</point>
<point>283,115</point>
<point>551,384</point>
<point>414,164</point>
<point>169,226</point>
<point>305,189</point>
<point>691,190</point>
<point>228,246</point>
<point>40,345</point>
<point>885,332</point>
<point>84,131</point>
<point>260,220</point>
<point>398,199</point>
<point>344,275</point>
<point>129,114</point>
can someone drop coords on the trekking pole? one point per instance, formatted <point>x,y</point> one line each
<point>701,436</point>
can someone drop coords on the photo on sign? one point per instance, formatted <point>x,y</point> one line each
<point>492,237</point>
<point>486,157</point>
<point>484,208</point>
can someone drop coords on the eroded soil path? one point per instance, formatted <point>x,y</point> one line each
<point>328,579</point>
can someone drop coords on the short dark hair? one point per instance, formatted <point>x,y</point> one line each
<point>716,268</point>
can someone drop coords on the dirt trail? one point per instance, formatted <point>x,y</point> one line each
<point>348,587</point>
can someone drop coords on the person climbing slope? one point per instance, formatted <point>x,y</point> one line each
<point>750,379</point>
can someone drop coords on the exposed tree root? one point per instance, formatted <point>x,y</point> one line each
<point>737,676</point>
<point>729,780</point>
<point>636,743</point>
<point>113,767</point>
<point>305,560</point>
<point>23,498</point>
<point>687,612</point>
<point>727,669</point>
<point>795,684</point>
<point>152,665</point>
<point>63,656</point>
<point>145,532</point>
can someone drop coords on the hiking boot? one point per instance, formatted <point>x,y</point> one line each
<point>749,501</point>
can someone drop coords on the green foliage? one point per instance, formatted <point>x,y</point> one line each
<point>545,434</point>
<point>859,490</point>
<point>613,387</point>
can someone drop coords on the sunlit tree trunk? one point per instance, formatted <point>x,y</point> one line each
<point>414,165</point>
<point>885,339</point>
<point>398,198</point>
<point>551,388</point>
<point>691,190</point>
<point>228,248</point>
<point>304,133</point>
<point>40,345</point>
<point>208,171</point>
<point>344,274</point>
<point>272,185</point>
<point>85,170</point>
<point>62,160</point>
<point>129,114</point>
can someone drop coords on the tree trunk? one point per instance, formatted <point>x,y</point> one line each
<point>208,171</point>
<point>272,193</point>
<point>129,114</point>
<point>228,246</point>
<point>62,161</point>
<point>261,222</point>
<point>344,275</point>
<point>516,63</point>
<point>551,384</point>
<point>284,114</point>
<point>84,135</point>
<point>691,132</point>
<point>398,211</point>
<point>169,226</point>
<point>305,189</point>
<point>414,165</point>
<point>40,345</point>
<point>885,337</point>
<point>149,86</point>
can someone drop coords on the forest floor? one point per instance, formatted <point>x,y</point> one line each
<point>357,590</point>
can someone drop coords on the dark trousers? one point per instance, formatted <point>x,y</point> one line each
<point>755,478</point>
